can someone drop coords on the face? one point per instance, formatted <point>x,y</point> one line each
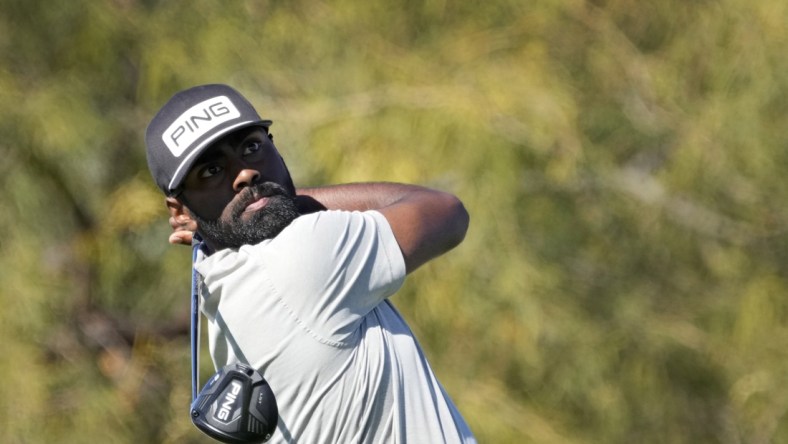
<point>239,191</point>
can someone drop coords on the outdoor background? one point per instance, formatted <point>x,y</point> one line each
<point>625,275</point>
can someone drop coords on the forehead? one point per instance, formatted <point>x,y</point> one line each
<point>232,140</point>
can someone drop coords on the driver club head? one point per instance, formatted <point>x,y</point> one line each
<point>236,406</point>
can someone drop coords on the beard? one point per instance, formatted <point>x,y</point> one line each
<point>230,230</point>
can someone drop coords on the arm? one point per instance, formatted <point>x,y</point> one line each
<point>425,222</point>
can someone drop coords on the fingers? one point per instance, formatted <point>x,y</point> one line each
<point>182,231</point>
<point>181,237</point>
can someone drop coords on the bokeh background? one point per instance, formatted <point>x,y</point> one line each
<point>624,162</point>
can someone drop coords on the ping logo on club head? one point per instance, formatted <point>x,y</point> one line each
<point>197,121</point>
<point>227,404</point>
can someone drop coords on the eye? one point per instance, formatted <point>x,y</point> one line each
<point>209,171</point>
<point>252,148</point>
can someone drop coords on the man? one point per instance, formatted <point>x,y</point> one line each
<point>296,282</point>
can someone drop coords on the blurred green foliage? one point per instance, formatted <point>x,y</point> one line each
<point>624,278</point>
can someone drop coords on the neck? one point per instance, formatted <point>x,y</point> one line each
<point>308,204</point>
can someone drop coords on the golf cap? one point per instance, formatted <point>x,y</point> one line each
<point>188,124</point>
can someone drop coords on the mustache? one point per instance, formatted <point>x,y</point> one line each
<point>256,192</point>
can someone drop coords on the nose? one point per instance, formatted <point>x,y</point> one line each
<point>245,178</point>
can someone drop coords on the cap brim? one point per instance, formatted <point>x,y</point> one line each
<point>188,161</point>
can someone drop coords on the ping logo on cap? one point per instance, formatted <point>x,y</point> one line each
<point>198,121</point>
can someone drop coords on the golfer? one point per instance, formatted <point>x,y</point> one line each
<point>297,282</point>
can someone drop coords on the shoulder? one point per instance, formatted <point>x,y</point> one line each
<point>324,223</point>
<point>350,237</point>
<point>339,216</point>
<point>311,239</point>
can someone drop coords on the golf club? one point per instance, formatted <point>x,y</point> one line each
<point>236,405</point>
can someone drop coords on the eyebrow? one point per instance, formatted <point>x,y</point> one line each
<point>208,156</point>
<point>213,153</point>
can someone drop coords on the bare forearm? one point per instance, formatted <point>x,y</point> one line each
<point>357,196</point>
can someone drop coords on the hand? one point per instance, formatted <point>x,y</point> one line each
<point>182,231</point>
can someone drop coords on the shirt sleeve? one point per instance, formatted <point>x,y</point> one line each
<point>331,268</point>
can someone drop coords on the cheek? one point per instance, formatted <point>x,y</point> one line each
<point>209,206</point>
<point>283,178</point>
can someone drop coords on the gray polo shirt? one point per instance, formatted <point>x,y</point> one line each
<point>309,309</point>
